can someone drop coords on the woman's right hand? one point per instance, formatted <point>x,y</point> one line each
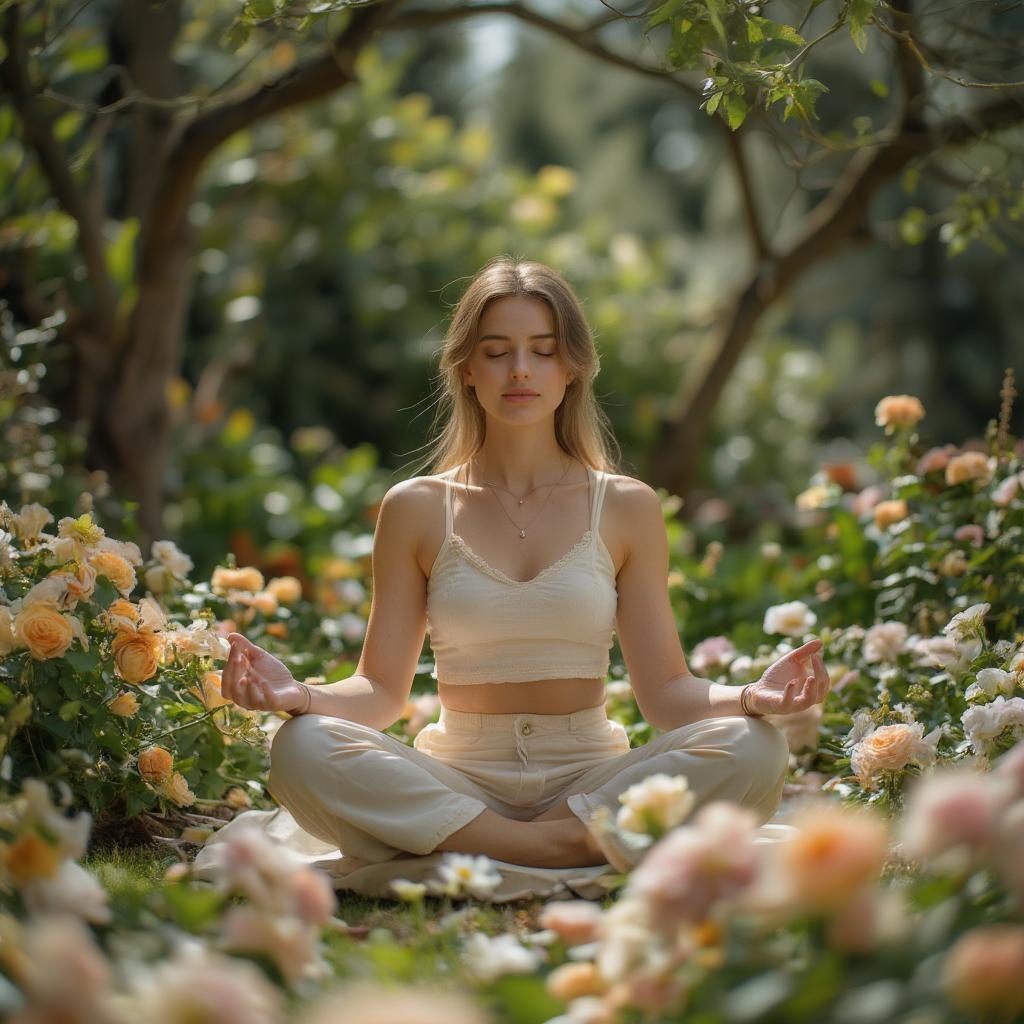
<point>253,678</point>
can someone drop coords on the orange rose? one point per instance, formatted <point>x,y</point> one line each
<point>136,655</point>
<point>287,589</point>
<point>124,705</point>
<point>982,973</point>
<point>123,609</point>
<point>155,765</point>
<point>211,694</point>
<point>898,411</point>
<point>570,981</point>
<point>968,466</point>
<point>889,512</point>
<point>888,748</point>
<point>116,569</point>
<point>31,857</point>
<point>176,790</point>
<point>224,580</point>
<point>45,631</point>
<point>835,853</point>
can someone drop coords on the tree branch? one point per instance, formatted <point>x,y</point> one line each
<point>734,142</point>
<point>37,130</point>
<point>306,82</point>
<point>584,38</point>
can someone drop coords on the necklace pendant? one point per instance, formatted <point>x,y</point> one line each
<point>522,533</point>
<point>521,500</point>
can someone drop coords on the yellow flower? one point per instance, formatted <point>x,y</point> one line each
<point>155,765</point>
<point>211,695</point>
<point>136,655</point>
<point>116,569</point>
<point>44,631</point>
<point>124,705</point>
<point>898,411</point>
<point>813,497</point>
<point>889,512</point>
<point>81,530</point>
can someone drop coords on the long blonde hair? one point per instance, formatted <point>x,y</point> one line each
<point>582,429</point>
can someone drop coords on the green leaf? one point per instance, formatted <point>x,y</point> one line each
<point>715,12</point>
<point>85,662</point>
<point>736,109</point>
<point>879,88</point>
<point>665,11</point>
<point>712,104</point>
<point>121,252</point>
<point>914,226</point>
<point>69,710</point>
<point>192,908</point>
<point>860,13</point>
<point>235,37</point>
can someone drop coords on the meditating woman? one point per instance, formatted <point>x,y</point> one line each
<point>519,556</point>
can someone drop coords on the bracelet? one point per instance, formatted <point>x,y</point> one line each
<point>743,703</point>
<point>309,701</point>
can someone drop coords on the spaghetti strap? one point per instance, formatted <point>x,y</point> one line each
<point>448,525</point>
<point>595,512</point>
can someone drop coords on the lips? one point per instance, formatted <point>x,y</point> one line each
<point>520,394</point>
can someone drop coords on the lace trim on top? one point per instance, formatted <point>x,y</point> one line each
<point>497,574</point>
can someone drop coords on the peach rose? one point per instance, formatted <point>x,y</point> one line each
<point>968,466</point>
<point>120,608</point>
<point>82,583</point>
<point>124,705</point>
<point>287,589</point>
<point>225,580</point>
<point>116,569</point>
<point>983,970</point>
<point>572,980</point>
<point>889,512</point>
<point>935,460</point>
<point>211,695</point>
<point>574,921</point>
<point>155,765</point>
<point>136,655</point>
<point>176,790</point>
<point>898,411</point>
<point>30,857</point>
<point>890,748</point>
<point>238,798</point>
<point>814,497</point>
<point>836,852</point>
<point>45,631</point>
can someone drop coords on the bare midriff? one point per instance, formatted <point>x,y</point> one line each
<point>537,697</point>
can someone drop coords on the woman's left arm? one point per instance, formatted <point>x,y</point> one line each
<point>667,693</point>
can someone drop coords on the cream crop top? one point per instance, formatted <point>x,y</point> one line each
<point>486,627</point>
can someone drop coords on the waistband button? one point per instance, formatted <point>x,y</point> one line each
<point>526,729</point>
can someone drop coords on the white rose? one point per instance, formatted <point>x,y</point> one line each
<point>885,642</point>
<point>994,681</point>
<point>175,561</point>
<point>657,804</point>
<point>793,618</point>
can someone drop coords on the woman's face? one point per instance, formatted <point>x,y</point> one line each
<point>516,350</point>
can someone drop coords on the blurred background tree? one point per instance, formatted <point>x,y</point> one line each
<point>217,225</point>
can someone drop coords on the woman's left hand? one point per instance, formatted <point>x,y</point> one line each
<point>793,683</point>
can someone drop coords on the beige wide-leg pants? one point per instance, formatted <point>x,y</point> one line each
<point>368,808</point>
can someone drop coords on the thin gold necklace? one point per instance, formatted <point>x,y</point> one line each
<point>522,529</point>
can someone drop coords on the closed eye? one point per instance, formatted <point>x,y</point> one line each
<point>498,355</point>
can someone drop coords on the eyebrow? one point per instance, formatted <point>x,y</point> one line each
<point>502,337</point>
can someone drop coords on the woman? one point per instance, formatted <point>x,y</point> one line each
<point>519,558</point>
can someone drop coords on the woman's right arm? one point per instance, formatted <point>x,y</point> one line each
<point>376,695</point>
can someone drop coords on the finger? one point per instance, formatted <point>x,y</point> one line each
<point>247,647</point>
<point>823,680</point>
<point>229,677</point>
<point>804,651</point>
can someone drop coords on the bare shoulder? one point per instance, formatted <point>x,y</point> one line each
<point>413,512</point>
<point>632,514</point>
